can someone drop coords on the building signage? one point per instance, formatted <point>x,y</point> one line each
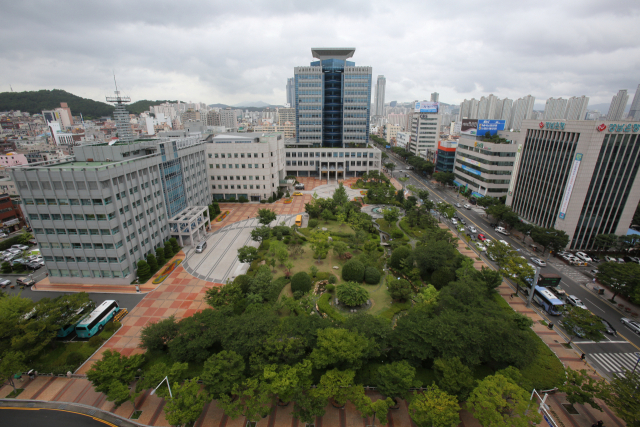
<point>572,180</point>
<point>516,164</point>
<point>427,107</point>
<point>552,125</point>
<point>491,126</point>
<point>468,160</point>
<point>620,127</point>
<point>473,171</point>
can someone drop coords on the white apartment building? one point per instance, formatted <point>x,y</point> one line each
<point>554,109</point>
<point>618,105</point>
<point>577,108</point>
<point>425,131</point>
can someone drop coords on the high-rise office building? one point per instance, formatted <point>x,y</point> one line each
<point>333,100</point>
<point>291,92</point>
<point>634,113</point>
<point>425,132</point>
<point>577,176</point>
<point>379,103</point>
<point>522,110</point>
<point>576,108</point>
<point>435,97</point>
<point>554,109</point>
<point>618,105</point>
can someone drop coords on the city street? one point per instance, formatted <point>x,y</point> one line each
<point>607,356</point>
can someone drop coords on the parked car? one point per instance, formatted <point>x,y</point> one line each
<point>4,282</point>
<point>34,257</point>
<point>33,242</point>
<point>482,237</point>
<point>583,256</point>
<point>608,258</point>
<point>620,261</point>
<point>10,257</point>
<point>454,221</point>
<point>632,259</point>
<point>574,300</point>
<point>594,271</point>
<point>502,230</point>
<point>462,221</point>
<point>14,250</point>
<point>595,258</point>
<point>538,261</point>
<point>608,327</point>
<point>472,229</point>
<point>20,247</point>
<point>25,281</point>
<point>481,247</point>
<point>3,235</point>
<point>631,324</point>
<point>19,261</point>
<point>562,254</point>
<point>33,265</point>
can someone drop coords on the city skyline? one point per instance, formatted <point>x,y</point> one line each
<point>157,55</point>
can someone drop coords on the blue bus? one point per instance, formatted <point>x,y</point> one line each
<point>68,329</point>
<point>94,322</point>
<point>548,301</point>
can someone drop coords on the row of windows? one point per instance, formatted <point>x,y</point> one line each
<point>238,166</point>
<point>111,260</point>
<point>356,77</point>
<point>486,152</point>
<point>69,202</point>
<point>243,178</point>
<point>309,92</point>
<point>226,187</point>
<point>356,92</point>
<point>328,154</point>
<point>309,100</point>
<point>479,178</point>
<point>349,84</point>
<point>308,76</point>
<point>311,163</point>
<point>310,84</point>
<point>62,245</point>
<point>235,155</point>
<point>78,231</point>
<point>87,273</point>
<point>71,217</point>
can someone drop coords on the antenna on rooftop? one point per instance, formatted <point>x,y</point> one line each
<point>11,88</point>
<point>121,115</point>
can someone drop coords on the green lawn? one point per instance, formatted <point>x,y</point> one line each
<point>380,296</point>
<point>331,226</point>
<point>385,227</point>
<point>306,260</point>
<point>412,231</point>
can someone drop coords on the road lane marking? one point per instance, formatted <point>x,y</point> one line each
<point>600,342</point>
<point>586,299</point>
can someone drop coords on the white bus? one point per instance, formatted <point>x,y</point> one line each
<point>548,301</point>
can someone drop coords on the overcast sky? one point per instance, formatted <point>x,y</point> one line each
<point>234,51</point>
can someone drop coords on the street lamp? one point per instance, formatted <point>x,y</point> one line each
<point>163,380</point>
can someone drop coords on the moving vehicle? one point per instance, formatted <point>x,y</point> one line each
<point>458,205</point>
<point>574,300</point>
<point>454,221</point>
<point>548,301</point>
<point>94,322</point>
<point>502,230</point>
<point>4,282</point>
<point>33,265</point>
<point>481,247</point>
<point>620,261</point>
<point>556,290</point>
<point>201,247</point>
<point>297,193</point>
<point>467,206</point>
<point>547,280</point>
<point>504,242</point>
<point>632,259</point>
<point>608,327</point>
<point>462,221</point>
<point>631,324</point>
<point>584,256</point>
<point>594,258</point>
<point>482,237</point>
<point>299,221</point>
<point>538,261</point>
<point>68,329</point>
<point>299,186</point>
<point>472,229</point>
<point>25,281</point>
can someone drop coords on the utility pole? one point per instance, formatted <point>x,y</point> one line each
<point>533,286</point>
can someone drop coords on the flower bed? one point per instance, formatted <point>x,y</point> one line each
<point>358,200</point>
<point>363,192</point>
<point>287,201</point>
<point>222,216</point>
<point>167,271</point>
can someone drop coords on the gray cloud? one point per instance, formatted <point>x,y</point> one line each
<point>232,52</point>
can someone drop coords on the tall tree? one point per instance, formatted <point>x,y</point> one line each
<point>499,402</point>
<point>621,279</point>
<point>454,377</point>
<point>340,348</point>
<point>113,373</point>
<point>266,216</point>
<point>435,408</point>
<point>251,399</point>
<point>395,379</point>
<point>153,377</point>
<point>12,363</point>
<point>391,215</point>
<point>247,254</point>
<point>582,323</point>
<point>606,241</point>
<point>622,396</point>
<point>340,197</point>
<point>221,371</point>
<point>581,388</point>
<point>187,403</point>
<point>260,234</point>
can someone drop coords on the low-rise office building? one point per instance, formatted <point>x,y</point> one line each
<point>96,216</point>
<point>332,164</point>
<point>578,176</point>
<point>485,167</point>
<point>446,156</point>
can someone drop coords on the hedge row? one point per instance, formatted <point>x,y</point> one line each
<point>325,307</point>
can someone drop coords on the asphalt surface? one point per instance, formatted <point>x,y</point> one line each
<point>607,356</point>
<point>47,418</point>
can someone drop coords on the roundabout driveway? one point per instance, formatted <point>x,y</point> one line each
<point>219,261</point>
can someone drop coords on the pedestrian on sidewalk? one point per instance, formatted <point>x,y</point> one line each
<point>582,356</point>
<point>511,296</point>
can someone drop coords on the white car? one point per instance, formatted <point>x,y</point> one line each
<point>3,235</point>
<point>584,256</point>
<point>454,221</point>
<point>481,247</point>
<point>631,324</point>
<point>502,230</point>
<point>20,247</point>
<point>458,205</point>
<point>538,261</point>
<point>574,300</point>
<point>608,258</point>
<point>472,229</point>
<point>504,242</point>
<point>467,206</point>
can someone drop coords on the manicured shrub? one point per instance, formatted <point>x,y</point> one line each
<point>175,245</point>
<point>160,257</point>
<point>279,235</point>
<point>371,275</point>
<point>265,245</point>
<point>144,272</point>
<point>397,234</point>
<point>352,294</point>
<point>330,287</point>
<point>313,223</point>
<point>333,279</point>
<point>322,276</point>
<point>153,263</point>
<point>301,282</point>
<point>353,271</point>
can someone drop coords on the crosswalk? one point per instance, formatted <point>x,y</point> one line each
<point>614,362</point>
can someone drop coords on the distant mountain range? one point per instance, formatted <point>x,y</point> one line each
<point>250,106</point>
<point>35,101</point>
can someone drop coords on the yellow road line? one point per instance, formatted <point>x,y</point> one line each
<point>59,410</point>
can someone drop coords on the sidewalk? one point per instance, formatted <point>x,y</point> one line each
<point>555,341</point>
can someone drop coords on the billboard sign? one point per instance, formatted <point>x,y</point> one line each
<point>572,180</point>
<point>473,171</point>
<point>427,107</point>
<point>491,126</point>
<point>469,126</point>
<point>468,160</point>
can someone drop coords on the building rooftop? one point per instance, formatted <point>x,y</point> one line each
<point>332,52</point>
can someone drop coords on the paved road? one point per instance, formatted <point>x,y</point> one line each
<point>47,418</point>
<point>607,356</point>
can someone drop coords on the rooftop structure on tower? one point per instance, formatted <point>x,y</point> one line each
<point>121,117</point>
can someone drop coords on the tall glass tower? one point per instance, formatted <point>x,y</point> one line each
<point>332,100</point>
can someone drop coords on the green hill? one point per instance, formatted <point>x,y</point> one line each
<point>36,101</point>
